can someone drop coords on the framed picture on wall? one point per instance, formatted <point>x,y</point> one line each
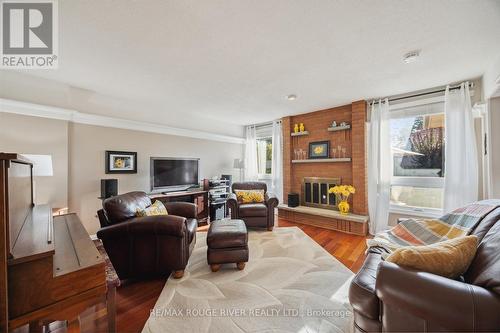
<point>319,149</point>
<point>121,162</point>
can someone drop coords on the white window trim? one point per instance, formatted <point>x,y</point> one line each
<point>397,110</point>
<point>264,176</point>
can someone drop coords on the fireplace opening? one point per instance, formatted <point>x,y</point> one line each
<point>315,192</point>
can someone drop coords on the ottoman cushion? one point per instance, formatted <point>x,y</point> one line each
<point>224,234</point>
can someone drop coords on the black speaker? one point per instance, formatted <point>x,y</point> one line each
<point>109,188</point>
<point>293,199</point>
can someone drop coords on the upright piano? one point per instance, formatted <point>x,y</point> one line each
<point>49,267</point>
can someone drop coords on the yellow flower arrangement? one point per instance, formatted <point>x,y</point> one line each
<point>342,192</point>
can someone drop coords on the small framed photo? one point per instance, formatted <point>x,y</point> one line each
<point>319,149</point>
<point>121,162</point>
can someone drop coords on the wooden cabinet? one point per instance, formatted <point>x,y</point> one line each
<point>200,198</point>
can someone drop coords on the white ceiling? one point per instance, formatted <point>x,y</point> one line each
<point>201,63</point>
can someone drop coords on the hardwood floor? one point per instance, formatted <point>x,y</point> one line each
<point>135,299</point>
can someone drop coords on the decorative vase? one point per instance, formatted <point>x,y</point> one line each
<point>301,127</point>
<point>296,128</point>
<point>343,207</point>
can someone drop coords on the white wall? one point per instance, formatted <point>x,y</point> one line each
<point>87,146</point>
<point>78,153</point>
<point>31,135</point>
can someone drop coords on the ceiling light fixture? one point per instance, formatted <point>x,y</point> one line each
<point>291,97</point>
<point>411,57</point>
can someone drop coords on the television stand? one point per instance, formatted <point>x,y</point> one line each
<point>198,197</point>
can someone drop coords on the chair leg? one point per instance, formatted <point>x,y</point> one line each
<point>178,274</point>
<point>270,228</point>
<point>215,267</point>
<point>111,308</point>
<point>240,265</point>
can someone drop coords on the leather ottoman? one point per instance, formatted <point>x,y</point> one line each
<point>227,242</point>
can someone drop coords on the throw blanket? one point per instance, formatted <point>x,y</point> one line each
<point>411,232</point>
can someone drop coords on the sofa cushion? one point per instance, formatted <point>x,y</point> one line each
<point>252,210</point>
<point>449,258</point>
<point>123,207</point>
<point>484,270</point>
<point>362,290</point>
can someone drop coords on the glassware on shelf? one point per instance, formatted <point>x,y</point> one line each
<point>334,151</point>
<point>343,151</point>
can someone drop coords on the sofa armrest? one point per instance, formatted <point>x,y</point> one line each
<point>452,304</point>
<point>184,209</point>
<point>271,200</point>
<point>170,225</point>
<point>232,204</point>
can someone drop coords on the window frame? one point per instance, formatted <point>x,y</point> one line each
<point>398,111</point>
<point>264,176</point>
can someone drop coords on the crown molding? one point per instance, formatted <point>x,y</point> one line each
<point>52,112</point>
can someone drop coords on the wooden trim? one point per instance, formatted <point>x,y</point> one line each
<point>4,313</point>
<point>330,223</point>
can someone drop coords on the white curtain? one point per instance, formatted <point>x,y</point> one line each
<point>461,164</point>
<point>251,171</point>
<point>277,161</point>
<point>379,166</point>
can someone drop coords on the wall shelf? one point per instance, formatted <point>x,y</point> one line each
<point>323,160</point>
<point>299,133</point>
<point>339,128</point>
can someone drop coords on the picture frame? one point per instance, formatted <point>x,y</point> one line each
<point>319,149</point>
<point>120,162</point>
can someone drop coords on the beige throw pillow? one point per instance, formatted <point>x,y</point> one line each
<point>449,258</point>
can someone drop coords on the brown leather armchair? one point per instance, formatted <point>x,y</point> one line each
<point>254,214</point>
<point>390,298</point>
<point>141,247</point>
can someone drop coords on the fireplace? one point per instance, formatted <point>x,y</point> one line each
<point>315,192</point>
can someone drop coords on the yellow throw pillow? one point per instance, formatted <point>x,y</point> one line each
<point>157,208</point>
<point>250,196</point>
<point>449,258</point>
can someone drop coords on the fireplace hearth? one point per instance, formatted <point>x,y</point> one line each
<point>315,192</point>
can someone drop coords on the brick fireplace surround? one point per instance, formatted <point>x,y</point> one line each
<point>350,171</point>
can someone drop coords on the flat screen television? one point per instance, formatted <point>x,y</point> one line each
<point>174,174</point>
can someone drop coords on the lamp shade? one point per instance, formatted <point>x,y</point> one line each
<point>42,165</point>
<point>238,163</point>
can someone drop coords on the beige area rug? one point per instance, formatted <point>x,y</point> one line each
<point>290,284</point>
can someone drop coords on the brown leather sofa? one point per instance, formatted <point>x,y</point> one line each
<point>254,214</point>
<point>389,298</point>
<point>148,246</point>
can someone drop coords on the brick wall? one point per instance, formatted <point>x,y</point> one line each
<point>353,140</point>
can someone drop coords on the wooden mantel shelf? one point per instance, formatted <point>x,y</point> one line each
<point>326,213</point>
<point>325,218</point>
<point>323,160</point>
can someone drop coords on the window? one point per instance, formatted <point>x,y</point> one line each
<point>264,156</point>
<point>417,144</point>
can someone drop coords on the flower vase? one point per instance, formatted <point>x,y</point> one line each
<point>343,207</point>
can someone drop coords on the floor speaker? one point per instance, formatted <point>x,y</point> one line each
<point>109,188</point>
<point>293,199</point>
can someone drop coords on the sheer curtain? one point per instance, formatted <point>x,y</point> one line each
<point>461,165</point>
<point>251,171</point>
<point>277,161</point>
<point>379,166</point>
